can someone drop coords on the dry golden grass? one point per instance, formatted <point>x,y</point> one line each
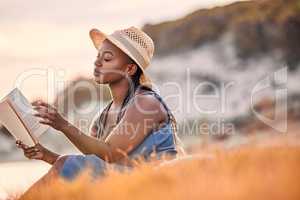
<point>267,169</point>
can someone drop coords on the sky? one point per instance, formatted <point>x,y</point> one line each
<point>43,35</point>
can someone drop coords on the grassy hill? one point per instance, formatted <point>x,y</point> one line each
<point>260,169</point>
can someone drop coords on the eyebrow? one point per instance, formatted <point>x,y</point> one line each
<point>107,51</point>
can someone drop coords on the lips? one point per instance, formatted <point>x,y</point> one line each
<point>96,72</point>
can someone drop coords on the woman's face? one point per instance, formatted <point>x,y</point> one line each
<point>111,64</point>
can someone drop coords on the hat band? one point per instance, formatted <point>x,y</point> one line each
<point>130,48</point>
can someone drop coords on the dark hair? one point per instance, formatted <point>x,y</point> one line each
<point>134,85</point>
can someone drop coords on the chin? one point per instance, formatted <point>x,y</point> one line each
<point>99,80</point>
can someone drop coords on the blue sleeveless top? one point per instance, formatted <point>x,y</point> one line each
<point>157,142</point>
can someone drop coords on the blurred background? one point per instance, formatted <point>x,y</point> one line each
<point>234,47</point>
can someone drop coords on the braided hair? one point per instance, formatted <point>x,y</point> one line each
<point>130,93</point>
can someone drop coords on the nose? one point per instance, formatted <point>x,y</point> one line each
<point>97,63</point>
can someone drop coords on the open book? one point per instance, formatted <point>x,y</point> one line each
<point>16,114</point>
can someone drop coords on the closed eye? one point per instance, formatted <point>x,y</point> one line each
<point>105,53</point>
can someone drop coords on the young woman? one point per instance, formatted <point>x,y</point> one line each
<point>136,123</point>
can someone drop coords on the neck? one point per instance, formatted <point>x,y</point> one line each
<point>119,91</point>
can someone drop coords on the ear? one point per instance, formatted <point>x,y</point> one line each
<point>131,69</point>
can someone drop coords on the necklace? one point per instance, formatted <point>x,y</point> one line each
<point>106,115</point>
<point>105,118</point>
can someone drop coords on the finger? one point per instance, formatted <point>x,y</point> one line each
<point>44,109</point>
<point>40,111</point>
<point>37,156</point>
<point>18,143</point>
<point>37,108</point>
<point>46,122</point>
<point>31,149</point>
<point>29,155</point>
<point>23,146</point>
<point>49,116</point>
<point>40,114</point>
<point>36,102</point>
<point>38,146</point>
<point>41,108</point>
<point>36,149</point>
<point>42,103</point>
<point>46,119</point>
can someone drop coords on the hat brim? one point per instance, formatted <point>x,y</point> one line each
<point>98,37</point>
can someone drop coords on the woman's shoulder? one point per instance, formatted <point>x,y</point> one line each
<point>147,98</point>
<point>147,102</point>
<point>147,93</point>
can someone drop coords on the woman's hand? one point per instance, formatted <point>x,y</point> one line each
<point>49,115</point>
<point>37,152</point>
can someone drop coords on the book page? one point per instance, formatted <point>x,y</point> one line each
<point>10,120</point>
<point>26,111</point>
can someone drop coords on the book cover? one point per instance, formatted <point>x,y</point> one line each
<point>16,114</point>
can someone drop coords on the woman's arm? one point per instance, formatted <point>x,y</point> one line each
<point>141,116</point>
<point>87,144</point>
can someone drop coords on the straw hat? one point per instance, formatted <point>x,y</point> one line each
<point>133,42</point>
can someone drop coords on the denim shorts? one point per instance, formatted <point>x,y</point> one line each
<point>75,164</point>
